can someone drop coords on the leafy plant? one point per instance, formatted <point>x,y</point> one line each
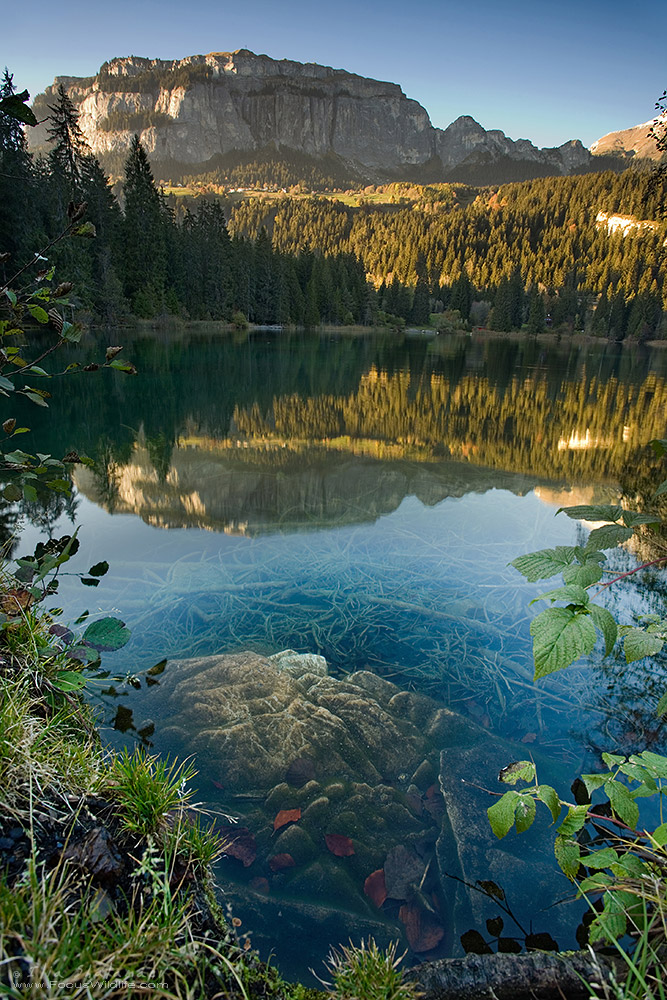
<point>568,629</point>
<point>600,846</point>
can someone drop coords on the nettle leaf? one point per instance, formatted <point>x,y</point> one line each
<point>637,643</point>
<point>659,835</point>
<point>573,822</point>
<point>568,855</point>
<point>655,763</point>
<point>549,796</point>
<point>631,518</point>
<point>662,488</point>
<point>524,813</point>
<point>583,575</point>
<point>572,594</point>
<point>545,563</point>
<point>640,774</point>
<point>606,622</point>
<point>501,814</point>
<point>613,759</point>
<point>593,512</point>
<point>608,536</point>
<point>594,781</point>
<point>560,636</point>
<point>519,770</point>
<point>622,803</point>
<point>611,924</point>
<point>601,859</point>
<point>661,707</point>
<point>594,883</point>
<point>106,634</point>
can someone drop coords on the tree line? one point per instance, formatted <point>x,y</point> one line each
<point>147,262</point>
<point>532,255</point>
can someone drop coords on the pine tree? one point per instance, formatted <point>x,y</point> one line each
<point>143,231</point>
<point>70,147</point>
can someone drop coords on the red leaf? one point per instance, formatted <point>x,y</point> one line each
<point>280,861</point>
<point>217,784</point>
<point>375,888</point>
<point>286,816</point>
<point>339,845</point>
<point>422,929</point>
<point>239,842</point>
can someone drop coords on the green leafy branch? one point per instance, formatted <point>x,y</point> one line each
<point>601,861</point>
<point>568,629</point>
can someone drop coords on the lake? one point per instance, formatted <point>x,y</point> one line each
<point>358,498</point>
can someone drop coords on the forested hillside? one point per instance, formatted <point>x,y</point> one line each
<point>535,255</point>
<point>529,249</point>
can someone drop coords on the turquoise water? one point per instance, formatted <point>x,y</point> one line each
<point>360,499</point>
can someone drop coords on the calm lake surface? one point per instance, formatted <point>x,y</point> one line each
<point>358,497</point>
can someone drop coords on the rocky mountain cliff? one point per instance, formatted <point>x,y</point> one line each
<point>628,142</point>
<point>200,112</point>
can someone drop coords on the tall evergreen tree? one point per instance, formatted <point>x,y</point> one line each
<point>69,143</point>
<point>143,231</point>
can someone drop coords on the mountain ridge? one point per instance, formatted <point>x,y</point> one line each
<point>189,112</point>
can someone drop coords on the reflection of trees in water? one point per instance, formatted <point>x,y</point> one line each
<point>45,513</point>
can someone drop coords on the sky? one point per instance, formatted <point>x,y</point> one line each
<point>546,70</point>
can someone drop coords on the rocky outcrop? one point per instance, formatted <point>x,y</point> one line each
<point>191,110</point>
<point>629,142</point>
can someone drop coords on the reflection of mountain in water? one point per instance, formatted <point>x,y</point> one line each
<point>304,430</point>
<point>233,487</point>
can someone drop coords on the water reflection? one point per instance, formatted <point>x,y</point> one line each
<point>361,498</point>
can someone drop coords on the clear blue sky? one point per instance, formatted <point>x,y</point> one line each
<point>546,70</point>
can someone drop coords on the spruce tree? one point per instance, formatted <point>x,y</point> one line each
<point>144,244</point>
<point>69,143</point>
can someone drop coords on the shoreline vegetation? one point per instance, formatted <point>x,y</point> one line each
<point>105,881</point>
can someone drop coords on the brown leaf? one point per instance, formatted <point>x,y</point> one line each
<point>280,861</point>
<point>286,816</point>
<point>14,601</point>
<point>217,784</point>
<point>260,884</point>
<point>529,738</point>
<point>422,929</point>
<point>403,870</point>
<point>96,853</point>
<point>238,842</point>
<point>375,888</point>
<point>339,844</point>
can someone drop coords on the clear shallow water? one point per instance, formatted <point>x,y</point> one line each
<point>361,499</point>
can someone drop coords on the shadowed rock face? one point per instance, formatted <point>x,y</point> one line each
<point>190,110</point>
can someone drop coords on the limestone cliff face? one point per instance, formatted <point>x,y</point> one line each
<point>630,142</point>
<point>190,110</point>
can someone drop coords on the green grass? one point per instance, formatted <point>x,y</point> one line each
<point>367,973</point>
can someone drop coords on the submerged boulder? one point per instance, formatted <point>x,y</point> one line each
<point>249,718</point>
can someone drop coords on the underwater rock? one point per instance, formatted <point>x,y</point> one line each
<point>248,718</point>
<point>520,864</point>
